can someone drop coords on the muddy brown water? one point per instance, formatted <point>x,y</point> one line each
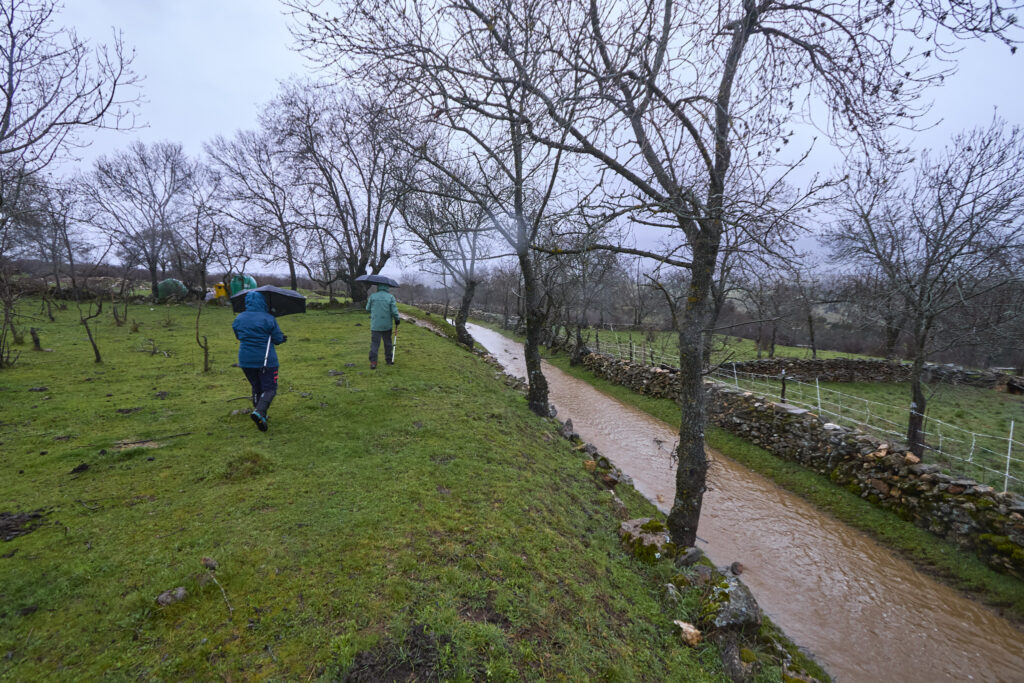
<point>862,612</point>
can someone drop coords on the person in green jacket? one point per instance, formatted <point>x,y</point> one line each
<point>383,309</point>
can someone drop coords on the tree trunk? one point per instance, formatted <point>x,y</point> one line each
<point>892,336</point>
<point>915,423</point>
<point>88,330</point>
<point>579,349</point>
<point>537,392</point>
<point>153,282</point>
<point>461,334</point>
<point>692,466</point>
<point>810,333</point>
<point>292,277</point>
<point>358,290</point>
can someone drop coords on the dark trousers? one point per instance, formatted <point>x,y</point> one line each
<point>264,387</point>
<point>375,339</point>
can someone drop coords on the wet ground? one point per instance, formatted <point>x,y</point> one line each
<point>864,613</point>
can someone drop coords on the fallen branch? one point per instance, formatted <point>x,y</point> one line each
<point>156,438</point>
<point>231,611</point>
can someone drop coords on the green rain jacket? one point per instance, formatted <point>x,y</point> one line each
<point>383,309</point>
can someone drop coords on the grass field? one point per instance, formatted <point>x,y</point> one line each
<point>413,520</point>
<point>664,346</point>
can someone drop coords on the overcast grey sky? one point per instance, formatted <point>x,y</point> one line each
<point>209,65</point>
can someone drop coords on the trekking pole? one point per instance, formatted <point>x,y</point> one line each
<point>394,344</point>
<point>266,355</point>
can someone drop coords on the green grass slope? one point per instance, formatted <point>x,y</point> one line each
<point>413,521</point>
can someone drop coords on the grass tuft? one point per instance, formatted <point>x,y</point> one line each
<point>247,464</point>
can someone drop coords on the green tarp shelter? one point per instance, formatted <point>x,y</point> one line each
<point>240,282</point>
<point>171,287</point>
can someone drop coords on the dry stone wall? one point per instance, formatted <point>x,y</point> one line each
<point>863,370</point>
<point>970,514</point>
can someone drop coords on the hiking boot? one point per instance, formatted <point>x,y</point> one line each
<point>391,362</point>
<point>260,420</point>
<point>373,365</point>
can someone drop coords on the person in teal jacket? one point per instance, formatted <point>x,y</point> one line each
<point>383,309</point>
<point>258,333</point>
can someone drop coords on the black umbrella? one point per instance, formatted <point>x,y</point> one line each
<point>377,280</point>
<point>280,301</point>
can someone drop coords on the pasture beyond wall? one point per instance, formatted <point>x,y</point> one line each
<point>962,510</point>
<point>866,370</point>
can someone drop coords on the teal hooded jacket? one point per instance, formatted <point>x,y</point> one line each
<point>257,333</point>
<point>383,309</point>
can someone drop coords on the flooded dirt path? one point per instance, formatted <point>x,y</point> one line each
<point>863,612</point>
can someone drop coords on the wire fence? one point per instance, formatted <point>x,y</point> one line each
<point>992,459</point>
<point>638,352</point>
<point>995,460</point>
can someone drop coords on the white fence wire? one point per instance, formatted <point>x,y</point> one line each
<point>995,460</point>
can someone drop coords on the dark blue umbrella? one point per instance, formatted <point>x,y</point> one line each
<point>377,280</point>
<point>280,301</point>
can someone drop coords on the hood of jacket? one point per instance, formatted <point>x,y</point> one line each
<point>383,288</point>
<point>255,302</point>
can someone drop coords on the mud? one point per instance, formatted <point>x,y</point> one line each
<point>414,659</point>
<point>14,524</point>
<point>864,613</point>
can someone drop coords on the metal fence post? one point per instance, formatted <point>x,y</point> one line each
<point>782,397</point>
<point>817,388</point>
<point>1009,454</point>
<point>735,377</point>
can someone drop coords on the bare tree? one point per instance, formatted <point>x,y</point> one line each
<point>440,61</point>
<point>264,193</point>
<point>139,198</point>
<point>945,232</point>
<point>199,233</point>
<point>236,246</point>
<point>684,106</point>
<point>352,150</point>
<point>450,231</point>
<point>324,256</point>
<point>870,304</point>
<point>54,85</point>
<point>54,235</point>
